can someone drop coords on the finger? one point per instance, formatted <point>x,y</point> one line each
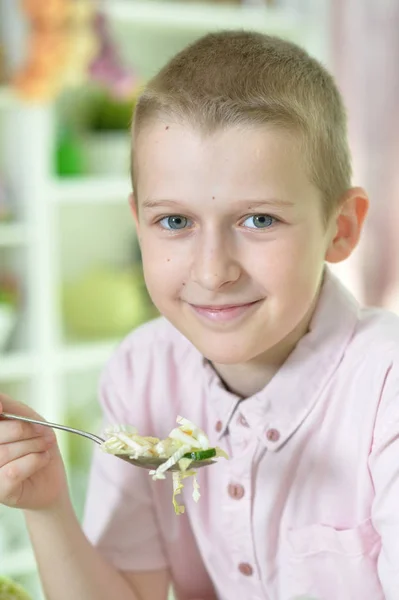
<point>15,473</point>
<point>13,431</point>
<point>10,452</point>
<point>8,405</point>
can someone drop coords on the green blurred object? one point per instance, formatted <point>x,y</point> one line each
<point>9,590</point>
<point>110,114</point>
<point>106,303</point>
<point>69,159</point>
<point>105,139</point>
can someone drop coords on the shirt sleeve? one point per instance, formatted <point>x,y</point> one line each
<point>384,468</point>
<point>120,518</point>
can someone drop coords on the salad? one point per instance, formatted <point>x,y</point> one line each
<point>184,444</point>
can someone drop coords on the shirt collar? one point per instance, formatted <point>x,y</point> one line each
<point>277,411</point>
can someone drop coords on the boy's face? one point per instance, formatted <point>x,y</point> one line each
<point>232,236</point>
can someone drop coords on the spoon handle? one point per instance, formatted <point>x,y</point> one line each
<point>90,436</point>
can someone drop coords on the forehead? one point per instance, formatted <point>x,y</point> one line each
<point>173,160</point>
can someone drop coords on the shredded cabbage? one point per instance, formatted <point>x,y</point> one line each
<point>182,440</point>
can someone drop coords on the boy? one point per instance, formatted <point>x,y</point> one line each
<point>242,193</point>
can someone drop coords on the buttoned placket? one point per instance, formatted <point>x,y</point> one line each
<point>237,508</point>
<point>244,445</point>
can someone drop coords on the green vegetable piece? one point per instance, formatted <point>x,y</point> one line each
<point>201,454</point>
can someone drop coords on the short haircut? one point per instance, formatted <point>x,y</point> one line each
<point>233,78</point>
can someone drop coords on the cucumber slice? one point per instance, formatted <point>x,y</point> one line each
<point>201,454</point>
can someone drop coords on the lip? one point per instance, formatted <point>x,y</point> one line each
<point>223,313</point>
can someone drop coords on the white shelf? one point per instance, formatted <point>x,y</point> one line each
<point>16,366</point>
<point>91,190</point>
<point>14,234</point>
<point>19,563</point>
<point>198,16</point>
<point>85,356</point>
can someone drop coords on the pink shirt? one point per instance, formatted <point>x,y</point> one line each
<point>307,505</point>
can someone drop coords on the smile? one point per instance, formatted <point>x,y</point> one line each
<point>224,313</point>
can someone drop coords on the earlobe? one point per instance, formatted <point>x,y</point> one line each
<point>348,224</point>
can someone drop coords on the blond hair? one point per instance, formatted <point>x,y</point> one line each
<point>236,77</point>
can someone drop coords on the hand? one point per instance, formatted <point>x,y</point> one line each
<point>32,474</point>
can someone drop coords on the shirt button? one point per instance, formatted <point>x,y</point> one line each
<point>273,435</point>
<point>245,569</point>
<point>219,426</point>
<point>236,491</point>
<point>242,421</point>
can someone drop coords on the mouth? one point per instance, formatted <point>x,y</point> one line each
<point>224,313</point>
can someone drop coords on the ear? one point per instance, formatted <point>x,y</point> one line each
<point>133,208</point>
<point>347,225</point>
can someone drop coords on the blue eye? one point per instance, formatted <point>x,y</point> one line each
<point>174,222</point>
<point>259,221</point>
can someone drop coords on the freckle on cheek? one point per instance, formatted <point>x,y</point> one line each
<point>167,127</point>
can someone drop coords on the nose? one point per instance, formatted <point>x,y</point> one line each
<point>215,264</point>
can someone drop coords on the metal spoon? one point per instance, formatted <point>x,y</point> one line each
<point>144,462</point>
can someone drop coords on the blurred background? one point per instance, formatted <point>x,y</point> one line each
<point>71,284</point>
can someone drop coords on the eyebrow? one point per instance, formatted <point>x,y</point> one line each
<point>251,204</point>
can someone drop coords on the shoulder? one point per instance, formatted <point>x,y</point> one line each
<point>150,374</point>
<point>370,358</point>
<point>378,335</point>
<point>376,338</point>
<point>374,357</point>
<point>151,348</point>
<point>380,324</point>
<point>157,339</point>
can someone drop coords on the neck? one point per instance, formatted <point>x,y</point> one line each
<point>247,379</point>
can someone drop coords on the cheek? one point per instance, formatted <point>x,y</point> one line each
<point>163,269</point>
<point>295,263</point>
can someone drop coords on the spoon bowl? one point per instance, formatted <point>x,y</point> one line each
<point>146,462</point>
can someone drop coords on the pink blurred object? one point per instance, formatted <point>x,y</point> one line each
<point>366,55</point>
<point>107,68</point>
